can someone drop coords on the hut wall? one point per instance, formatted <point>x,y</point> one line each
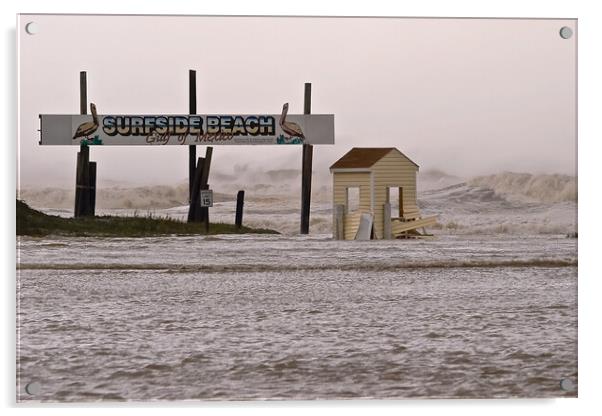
<point>393,170</point>
<point>351,224</point>
<point>344,180</point>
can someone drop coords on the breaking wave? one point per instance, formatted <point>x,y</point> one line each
<point>141,197</point>
<point>529,187</point>
<point>504,203</point>
<point>546,188</point>
<point>272,186</point>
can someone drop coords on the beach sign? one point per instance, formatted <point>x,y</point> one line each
<point>188,129</point>
<point>206,198</point>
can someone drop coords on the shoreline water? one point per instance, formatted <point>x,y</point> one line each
<point>255,317</point>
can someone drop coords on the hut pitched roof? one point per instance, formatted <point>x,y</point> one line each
<point>364,157</point>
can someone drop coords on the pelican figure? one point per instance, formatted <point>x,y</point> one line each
<point>89,127</point>
<point>290,128</point>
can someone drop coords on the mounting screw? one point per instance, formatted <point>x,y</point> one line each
<point>32,388</point>
<point>31,28</point>
<point>566,32</point>
<point>567,384</point>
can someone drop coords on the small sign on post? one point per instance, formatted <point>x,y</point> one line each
<point>206,198</point>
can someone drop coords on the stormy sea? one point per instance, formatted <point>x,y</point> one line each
<point>486,308</point>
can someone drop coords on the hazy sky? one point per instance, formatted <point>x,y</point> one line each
<point>468,96</point>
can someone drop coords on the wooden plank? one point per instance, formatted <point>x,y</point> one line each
<point>364,230</point>
<point>399,227</point>
<point>411,214</point>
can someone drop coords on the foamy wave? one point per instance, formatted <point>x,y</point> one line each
<point>507,227</point>
<point>139,197</point>
<point>430,179</point>
<point>250,268</point>
<point>506,203</point>
<point>541,188</point>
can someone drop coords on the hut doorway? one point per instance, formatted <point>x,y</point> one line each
<point>395,198</point>
<point>353,199</point>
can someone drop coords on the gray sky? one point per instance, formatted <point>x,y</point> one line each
<point>468,96</point>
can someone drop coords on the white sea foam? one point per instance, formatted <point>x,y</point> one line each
<point>529,187</point>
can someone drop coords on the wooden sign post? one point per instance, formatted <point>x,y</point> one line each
<point>195,205</point>
<point>204,211</point>
<point>85,175</point>
<point>191,148</point>
<point>200,181</point>
<point>240,202</point>
<point>308,150</point>
<point>198,173</point>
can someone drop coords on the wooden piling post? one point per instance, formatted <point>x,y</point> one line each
<point>191,148</point>
<point>240,202</point>
<point>204,211</point>
<point>82,183</point>
<point>85,175</point>
<point>78,185</point>
<point>84,149</point>
<point>200,182</point>
<point>338,232</point>
<point>85,195</point>
<point>92,184</point>
<point>83,156</point>
<point>195,205</point>
<point>83,92</point>
<point>387,221</point>
<point>306,169</point>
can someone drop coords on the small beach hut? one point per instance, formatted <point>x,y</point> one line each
<point>374,195</point>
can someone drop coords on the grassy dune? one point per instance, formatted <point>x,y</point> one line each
<point>35,223</point>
